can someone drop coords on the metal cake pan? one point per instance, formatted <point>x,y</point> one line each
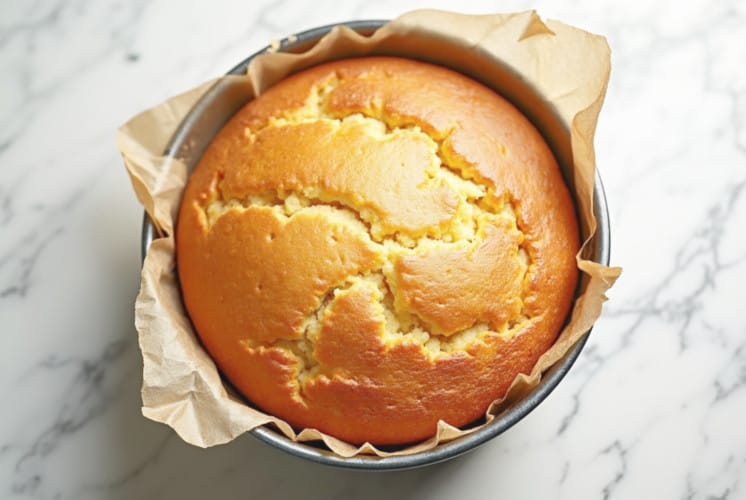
<point>226,97</point>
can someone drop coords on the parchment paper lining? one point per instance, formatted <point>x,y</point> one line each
<point>568,67</point>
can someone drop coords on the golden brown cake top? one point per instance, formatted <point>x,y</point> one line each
<point>375,244</point>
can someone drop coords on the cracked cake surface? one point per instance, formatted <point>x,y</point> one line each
<point>376,244</point>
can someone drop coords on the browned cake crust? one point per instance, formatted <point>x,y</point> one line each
<point>375,244</point>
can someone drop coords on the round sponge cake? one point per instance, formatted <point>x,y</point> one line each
<point>376,244</point>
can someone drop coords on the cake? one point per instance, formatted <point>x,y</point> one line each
<point>376,244</point>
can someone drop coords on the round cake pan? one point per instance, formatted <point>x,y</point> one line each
<point>226,97</point>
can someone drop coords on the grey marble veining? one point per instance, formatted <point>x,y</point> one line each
<point>654,407</point>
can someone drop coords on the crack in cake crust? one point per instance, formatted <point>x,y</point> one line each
<point>477,207</point>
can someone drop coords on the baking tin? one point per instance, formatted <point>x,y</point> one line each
<point>193,135</point>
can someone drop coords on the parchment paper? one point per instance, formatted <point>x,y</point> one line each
<point>568,67</point>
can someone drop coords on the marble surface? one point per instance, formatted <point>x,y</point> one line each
<point>654,408</point>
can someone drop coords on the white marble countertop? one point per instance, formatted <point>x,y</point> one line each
<point>655,406</point>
